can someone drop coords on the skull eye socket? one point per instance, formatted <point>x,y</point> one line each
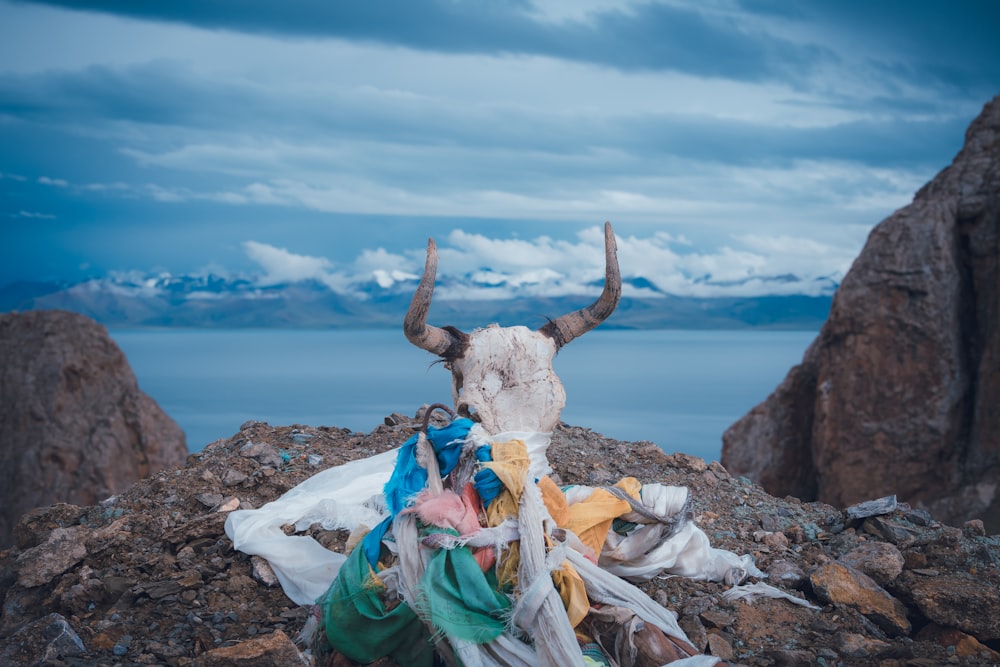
<point>467,411</point>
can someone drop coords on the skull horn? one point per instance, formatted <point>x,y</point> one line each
<point>447,342</point>
<point>573,325</point>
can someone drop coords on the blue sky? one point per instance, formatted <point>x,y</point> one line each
<point>729,142</point>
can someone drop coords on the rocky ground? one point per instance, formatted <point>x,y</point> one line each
<point>149,577</point>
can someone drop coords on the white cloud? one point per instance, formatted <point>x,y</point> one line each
<point>127,283</point>
<point>55,182</point>
<point>385,268</point>
<point>281,266</point>
<point>802,255</point>
<point>366,177</point>
<point>34,215</point>
<point>476,266</point>
<point>331,125</point>
<point>106,187</point>
<point>381,259</point>
<point>387,279</point>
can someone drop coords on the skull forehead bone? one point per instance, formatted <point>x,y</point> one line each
<point>505,380</point>
<point>502,376</point>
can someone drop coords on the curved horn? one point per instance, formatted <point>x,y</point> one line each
<point>573,325</point>
<point>433,339</point>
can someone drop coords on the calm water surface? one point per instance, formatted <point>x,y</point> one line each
<point>679,389</point>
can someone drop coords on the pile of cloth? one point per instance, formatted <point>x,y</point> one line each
<point>463,551</point>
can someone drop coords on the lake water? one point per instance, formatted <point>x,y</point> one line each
<point>679,389</point>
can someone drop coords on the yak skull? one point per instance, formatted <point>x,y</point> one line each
<point>502,377</point>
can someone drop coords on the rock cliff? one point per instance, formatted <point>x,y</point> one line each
<point>900,392</point>
<point>74,426</point>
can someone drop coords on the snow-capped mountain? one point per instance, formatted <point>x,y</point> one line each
<point>136,299</point>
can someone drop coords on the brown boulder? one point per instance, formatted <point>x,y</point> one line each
<point>959,600</point>
<point>274,650</point>
<point>840,585</point>
<point>74,426</point>
<point>900,393</point>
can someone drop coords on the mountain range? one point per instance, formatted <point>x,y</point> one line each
<point>215,301</point>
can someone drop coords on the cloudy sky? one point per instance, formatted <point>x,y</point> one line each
<point>726,140</point>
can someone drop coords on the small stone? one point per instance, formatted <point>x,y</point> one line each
<point>233,477</point>
<point>719,646</point>
<point>826,653</point>
<point>262,571</point>
<point>776,541</point>
<point>919,517</point>
<point>914,559</point>
<point>883,505</point>
<point>209,499</point>
<point>688,462</point>
<point>716,619</point>
<point>270,650</point>
<point>35,525</point>
<point>784,657</point>
<point>770,523</point>
<point>697,606</point>
<point>822,625</point>
<point>396,419</point>
<point>263,453</point>
<point>838,584</point>
<point>162,588</point>
<point>974,528</point>
<point>879,560</point>
<point>695,632</point>
<point>858,646</point>
<point>164,651</point>
<point>119,649</point>
<point>786,573</point>
<point>227,505</point>
<point>301,438</point>
<point>62,639</point>
<point>64,548</point>
<point>951,536</point>
<point>719,470</point>
<point>890,531</point>
<point>796,533</point>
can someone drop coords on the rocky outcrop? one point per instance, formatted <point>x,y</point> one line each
<point>149,577</point>
<point>74,426</point>
<point>900,393</point>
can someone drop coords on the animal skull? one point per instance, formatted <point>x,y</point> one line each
<point>502,377</point>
